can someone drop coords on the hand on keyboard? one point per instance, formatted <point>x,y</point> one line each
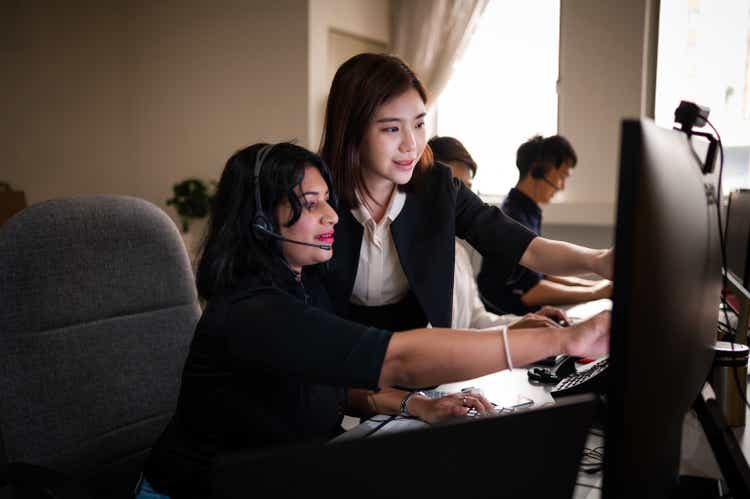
<point>556,314</point>
<point>589,338</point>
<point>450,406</point>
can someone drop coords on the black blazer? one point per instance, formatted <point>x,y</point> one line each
<point>436,211</point>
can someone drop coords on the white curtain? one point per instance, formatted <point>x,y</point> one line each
<point>430,35</point>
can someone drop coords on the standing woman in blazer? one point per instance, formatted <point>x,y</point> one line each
<point>400,213</point>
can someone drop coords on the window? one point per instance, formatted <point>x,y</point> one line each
<point>504,89</point>
<point>704,57</point>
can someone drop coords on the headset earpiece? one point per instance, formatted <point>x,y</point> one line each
<point>260,224</point>
<point>538,171</point>
<point>537,168</point>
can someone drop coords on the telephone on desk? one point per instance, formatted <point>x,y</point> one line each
<point>568,380</point>
<point>561,371</point>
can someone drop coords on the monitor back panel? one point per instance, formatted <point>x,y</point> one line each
<point>666,293</point>
<point>532,454</point>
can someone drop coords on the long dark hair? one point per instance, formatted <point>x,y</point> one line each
<point>231,250</point>
<point>360,85</point>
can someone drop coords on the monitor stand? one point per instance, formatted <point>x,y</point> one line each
<point>726,449</point>
<point>695,487</point>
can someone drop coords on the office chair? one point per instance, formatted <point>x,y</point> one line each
<point>97,311</point>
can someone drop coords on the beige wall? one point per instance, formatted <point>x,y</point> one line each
<point>368,19</point>
<point>129,98</point>
<point>600,83</point>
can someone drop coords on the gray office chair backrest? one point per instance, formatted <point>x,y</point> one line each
<point>97,311</point>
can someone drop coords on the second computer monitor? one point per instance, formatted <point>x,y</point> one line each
<point>738,235</point>
<point>665,301</point>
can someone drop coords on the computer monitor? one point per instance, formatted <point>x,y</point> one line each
<point>530,454</point>
<point>738,235</point>
<point>666,294</point>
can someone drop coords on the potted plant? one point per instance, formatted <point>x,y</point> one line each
<point>192,198</point>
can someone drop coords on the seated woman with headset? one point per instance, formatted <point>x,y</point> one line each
<point>269,364</point>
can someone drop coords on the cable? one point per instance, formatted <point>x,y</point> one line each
<point>383,423</point>
<point>730,307</point>
<point>388,419</point>
<point>589,485</point>
<point>725,331</point>
<point>592,460</point>
<point>595,456</point>
<point>722,227</point>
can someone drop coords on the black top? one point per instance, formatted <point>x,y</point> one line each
<point>403,315</point>
<point>523,209</point>
<point>267,366</point>
<point>437,211</point>
<point>505,296</point>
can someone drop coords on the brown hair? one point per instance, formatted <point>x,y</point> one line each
<point>447,149</point>
<point>360,86</point>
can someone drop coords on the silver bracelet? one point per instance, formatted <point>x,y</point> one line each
<point>507,347</point>
<point>404,411</point>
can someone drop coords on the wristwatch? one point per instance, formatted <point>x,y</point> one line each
<point>404,411</point>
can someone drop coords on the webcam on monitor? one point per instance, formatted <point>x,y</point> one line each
<point>689,115</point>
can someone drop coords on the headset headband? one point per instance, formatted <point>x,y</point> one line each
<point>259,159</point>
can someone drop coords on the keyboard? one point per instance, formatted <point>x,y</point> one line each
<point>590,380</point>
<point>583,311</point>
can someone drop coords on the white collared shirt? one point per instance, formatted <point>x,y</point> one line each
<point>380,278</point>
<point>468,310</point>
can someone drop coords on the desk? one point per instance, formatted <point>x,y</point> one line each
<point>503,388</point>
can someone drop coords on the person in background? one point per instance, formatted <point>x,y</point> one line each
<point>269,364</point>
<point>544,165</point>
<point>468,309</point>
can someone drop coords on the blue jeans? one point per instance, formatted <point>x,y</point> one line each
<point>144,490</point>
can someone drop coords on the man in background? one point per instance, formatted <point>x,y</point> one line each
<point>544,165</point>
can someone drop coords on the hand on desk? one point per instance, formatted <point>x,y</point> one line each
<point>544,317</point>
<point>589,338</point>
<point>449,407</point>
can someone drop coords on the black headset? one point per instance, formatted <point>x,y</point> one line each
<point>261,226</point>
<point>538,171</point>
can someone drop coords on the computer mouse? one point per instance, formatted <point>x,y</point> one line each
<point>542,375</point>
